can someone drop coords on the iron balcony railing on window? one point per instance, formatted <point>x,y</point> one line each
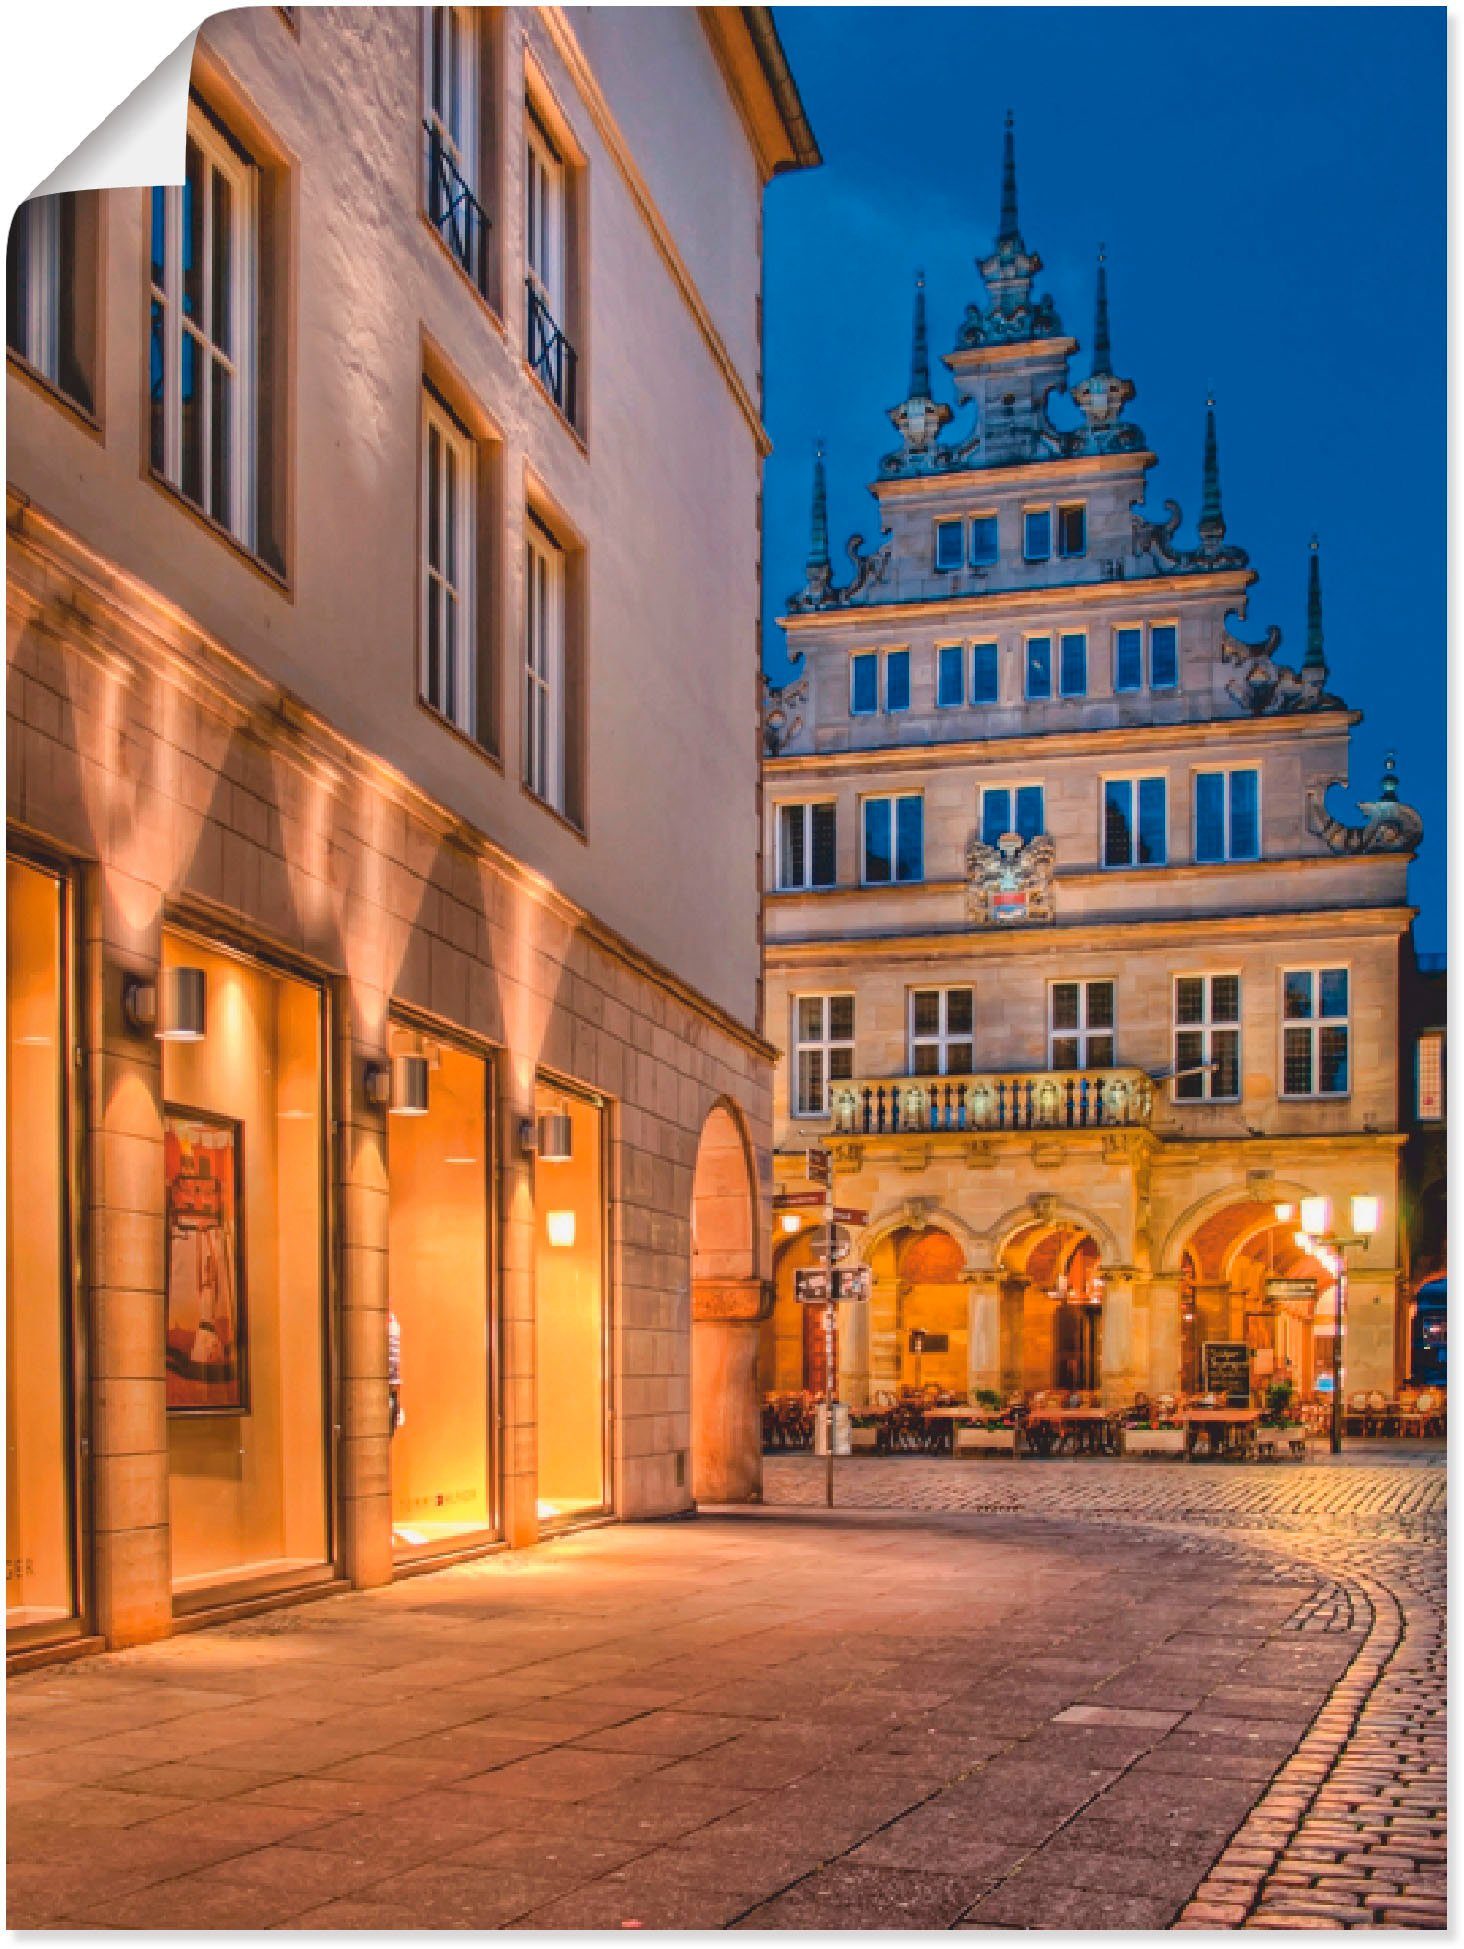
<point>457,215</point>
<point>1047,1099</point>
<point>551,355</point>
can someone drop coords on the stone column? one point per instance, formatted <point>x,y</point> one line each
<point>884,1335</point>
<point>1121,1376</point>
<point>1213,1307</point>
<point>1369,1356</point>
<point>1163,1363</point>
<point>365,1438</point>
<point>726,1409</point>
<point>983,1343</point>
<point>854,1352</point>
<point>1013,1302</point>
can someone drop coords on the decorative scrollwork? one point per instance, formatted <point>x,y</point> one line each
<point>1156,538</point>
<point>783,708</point>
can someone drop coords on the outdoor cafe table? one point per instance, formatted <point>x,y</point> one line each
<point>968,1417</point>
<point>1087,1425</point>
<point>1240,1421</point>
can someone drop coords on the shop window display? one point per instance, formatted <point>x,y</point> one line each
<point>245,1343</point>
<point>570,1311</point>
<point>440,1352</point>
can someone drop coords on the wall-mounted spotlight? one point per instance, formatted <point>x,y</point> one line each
<point>400,1086</point>
<point>556,1136</point>
<point>173,1008</point>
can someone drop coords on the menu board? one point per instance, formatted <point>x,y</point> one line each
<point>1227,1371</point>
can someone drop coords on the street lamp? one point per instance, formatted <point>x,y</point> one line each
<point>1317,1237</point>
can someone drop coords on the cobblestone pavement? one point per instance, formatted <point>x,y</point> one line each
<point>1092,1696</point>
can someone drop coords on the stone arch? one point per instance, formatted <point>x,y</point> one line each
<point>728,1301</point>
<point>1177,1238</point>
<point>922,1214</point>
<point>1043,1215</point>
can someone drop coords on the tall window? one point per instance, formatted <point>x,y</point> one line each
<point>550,353</point>
<point>985,674</point>
<point>949,545</point>
<point>941,1027</point>
<point>864,684</point>
<point>1039,667</point>
<point>450,94</point>
<point>203,343</point>
<point>950,675</point>
<point>1315,1032</point>
<point>1431,1073</point>
<point>984,544</point>
<point>1129,660</point>
<point>448,538</point>
<point>894,839</point>
<point>50,275</point>
<point>544,686</point>
<point>823,1050</point>
<point>1036,534</point>
<point>1073,663</point>
<point>1135,822</point>
<point>1011,808</point>
<point>1207,1038</point>
<point>897,680</point>
<point>807,855</point>
<point>1227,815</point>
<point>1072,530</point>
<point>1163,656</point>
<point>1080,1025</point>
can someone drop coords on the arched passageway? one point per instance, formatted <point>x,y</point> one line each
<point>1242,1279</point>
<point>726,1310</point>
<point>1052,1296</point>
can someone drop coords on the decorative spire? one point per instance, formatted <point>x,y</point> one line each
<point>818,546</point>
<point>1389,792</point>
<point>1212,520</point>
<point>1102,349</point>
<point>1009,233</point>
<point>919,417</point>
<point>1102,396</point>
<point>1011,315</point>
<point>919,345</point>
<point>1315,658</point>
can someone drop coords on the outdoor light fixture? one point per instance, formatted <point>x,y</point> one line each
<point>1316,1216</point>
<point>400,1086</point>
<point>1367,1215</point>
<point>790,1221</point>
<point>1330,1249</point>
<point>172,1007</point>
<point>556,1136</point>
<point>1285,1213</point>
<point>560,1227</point>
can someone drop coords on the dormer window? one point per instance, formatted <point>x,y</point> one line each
<point>1072,530</point>
<point>949,546</point>
<point>983,540</point>
<point>1037,535</point>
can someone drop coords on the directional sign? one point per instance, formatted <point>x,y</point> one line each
<point>821,1166</point>
<point>800,1201</point>
<point>1291,1289</point>
<point>813,1286</point>
<point>850,1215</point>
<point>842,1244</point>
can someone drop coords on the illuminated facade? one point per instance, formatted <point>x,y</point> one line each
<point>1068,959</point>
<point>386,1093</point>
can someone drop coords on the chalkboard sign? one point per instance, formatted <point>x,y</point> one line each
<point>1227,1371</point>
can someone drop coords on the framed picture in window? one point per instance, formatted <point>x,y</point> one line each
<point>206,1332</point>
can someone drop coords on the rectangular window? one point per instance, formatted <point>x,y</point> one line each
<point>864,684</point>
<point>948,545</point>
<point>1227,815</point>
<point>1036,534</point>
<point>51,266</point>
<point>1073,663</point>
<point>551,356</point>
<point>950,676</point>
<point>450,95</point>
<point>1072,530</point>
<point>941,1026</point>
<point>823,1050</point>
<point>1080,1025</point>
<point>806,846</point>
<point>984,543</point>
<point>1163,656</point>
<point>985,674</point>
<point>894,839</point>
<point>1039,667</point>
<point>1314,1044</point>
<point>203,335</point>
<point>545,693</point>
<point>1135,822</point>
<point>897,680</point>
<point>1431,1076</point>
<point>1207,1038</point>
<point>1011,808</point>
<point>449,534</point>
<point>1128,659</point>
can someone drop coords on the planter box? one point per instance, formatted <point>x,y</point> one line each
<point>1290,1440</point>
<point>979,1441</point>
<point>863,1439</point>
<point>1153,1441</point>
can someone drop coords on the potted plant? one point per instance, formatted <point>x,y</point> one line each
<point>996,1434</point>
<point>1148,1431</point>
<point>1281,1425</point>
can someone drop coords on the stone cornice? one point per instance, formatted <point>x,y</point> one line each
<point>1036,473</point>
<point>1120,595</point>
<point>1016,351</point>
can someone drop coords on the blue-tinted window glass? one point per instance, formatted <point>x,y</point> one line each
<point>864,684</point>
<point>910,839</point>
<point>1039,666</point>
<point>1209,816</point>
<point>1245,815</point>
<point>1030,813</point>
<point>1037,534</point>
<point>1153,822</point>
<point>897,680</point>
<point>1332,991</point>
<point>947,544</point>
<point>983,539</point>
<point>1128,659</point>
<point>1073,667</point>
<point>996,814</point>
<point>985,680</point>
<point>1163,657</point>
<point>950,675</point>
<point>877,858</point>
<point>1118,822</point>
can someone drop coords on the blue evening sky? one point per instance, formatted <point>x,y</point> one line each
<point>1269,183</point>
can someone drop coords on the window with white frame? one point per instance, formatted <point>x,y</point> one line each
<point>807,849</point>
<point>450,95</point>
<point>1145,653</point>
<point>894,839</point>
<point>204,328</point>
<point>1227,815</point>
<point>544,685</point>
<point>1080,1025</point>
<point>1430,1078</point>
<point>1072,665</point>
<point>1315,1032</point>
<point>546,259</point>
<point>823,1050</point>
<point>941,1028</point>
<point>449,534</point>
<point>1207,1038</point>
<point>1135,821</point>
<point>1011,808</point>
<point>36,274</point>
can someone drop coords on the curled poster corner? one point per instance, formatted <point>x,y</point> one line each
<point>142,140</point>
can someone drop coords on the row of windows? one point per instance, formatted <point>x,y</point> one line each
<point>974,540</point>
<point>1143,657</point>
<point>1135,827</point>
<point>1082,1030</point>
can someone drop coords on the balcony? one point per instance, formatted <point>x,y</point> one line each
<point>551,356</point>
<point>455,213</point>
<point>1022,1100</point>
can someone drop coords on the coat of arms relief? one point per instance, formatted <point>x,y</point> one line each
<point>1012,881</point>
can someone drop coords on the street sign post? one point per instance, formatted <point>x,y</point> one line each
<point>839,1244</point>
<point>847,1215</point>
<point>1291,1289</point>
<point>817,1286</point>
<point>820,1166</point>
<point>800,1200</point>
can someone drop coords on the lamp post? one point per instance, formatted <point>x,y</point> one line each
<point>1317,1237</point>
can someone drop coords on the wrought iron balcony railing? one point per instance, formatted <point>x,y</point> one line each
<point>457,215</point>
<point>1045,1099</point>
<point>551,355</point>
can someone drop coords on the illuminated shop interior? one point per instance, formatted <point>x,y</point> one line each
<point>441,1318</point>
<point>245,1329</point>
<point>570,1315</point>
<point>39,1584</point>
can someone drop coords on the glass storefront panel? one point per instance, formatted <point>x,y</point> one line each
<point>40,1585</point>
<point>441,1352</point>
<point>570,1335</point>
<point>245,1349</point>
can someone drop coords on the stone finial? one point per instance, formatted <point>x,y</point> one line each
<point>1102,348</point>
<point>1388,794</point>
<point>919,345</point>
<point>818,545</point>
<point>1212,519</point>
<point>1009,232</point>
<point>1315,658</point>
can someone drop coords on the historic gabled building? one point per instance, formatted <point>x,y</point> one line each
<point>1070,961</point>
